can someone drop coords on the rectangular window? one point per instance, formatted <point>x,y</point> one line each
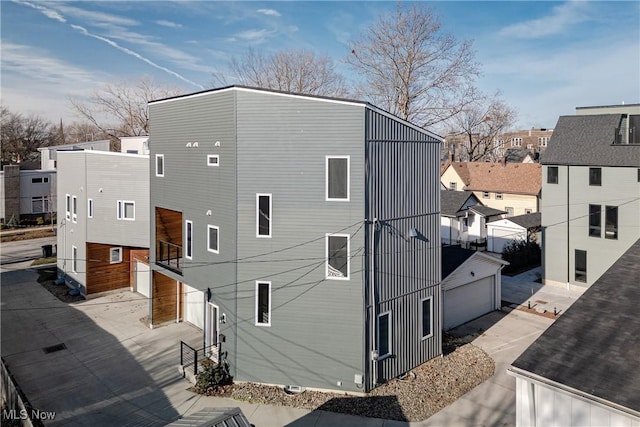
<point>39,204</point>
<point>337,178</point>
<point>159,164</point>
<point>581,266</point>
<point>338,256</point>
<point>74,259</point>
<point>595,176</point>
<point>68,205</point>
<point>263,303</point>
<point>90,208</point>
<point>485,194</point>
<point>595,220</point>
<point>115,255</point>
<point>384,335</point>
<point>543,140</point>
<point>509,211</point>
<point>40,180</point>
<point>611,222</point>
<point>527,211</point>
<point>529,146</point>
<point>639,175</point>
<point>74,211</point>
<point>552,175</point>
<point>516,142</point>
<point>453,186</point>
<point>213,238</point>
<point>498,196</point>
<point>427,322</point>
<point>126,210</point>
<point>263,215</point>
<point>188,239</point>
<point>213,160</point>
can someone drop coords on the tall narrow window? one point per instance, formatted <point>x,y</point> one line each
<point>263,303</point>
<point>595,221</point>
<point>611,222</point>
<point>74,211</point>
<point>159,164</point>
<point>453,186</point>
<point>595,176</point>
<point>263,215</point>
<point>509,211</point>
<point>338,256</point>
<point>337,177</point>
<point>384,335</point>
<point>90,208</point>
<point>74,259</point>
<point>68,205</point>
<point>188,237</point>
<point>552,175</point>
<point>427,318</point>
<point>581,266</point>
<point>213,239</point>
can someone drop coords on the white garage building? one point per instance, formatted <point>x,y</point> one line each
<point>502,232</point>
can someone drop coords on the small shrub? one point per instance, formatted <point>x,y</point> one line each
<point>213,378</point>
<point>520,255</point>
<point>40,220</point>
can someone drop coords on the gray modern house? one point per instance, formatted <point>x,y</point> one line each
<point>103,221</point>
<point>300,233</point>
<point>590,193</point>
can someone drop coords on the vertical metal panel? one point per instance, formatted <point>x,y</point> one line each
<point>403,186</point>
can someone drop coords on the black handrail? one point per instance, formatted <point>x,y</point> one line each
<point>169,255</point>
<point>189,356</point>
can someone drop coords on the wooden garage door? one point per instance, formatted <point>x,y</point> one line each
<point>468,301</point>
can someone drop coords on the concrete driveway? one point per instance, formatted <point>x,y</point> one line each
<point>19,254</point>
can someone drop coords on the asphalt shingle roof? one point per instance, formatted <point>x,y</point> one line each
<point>588,140</point>
<point>453,257</point>
<point>451,202</point>
<point>487,211</point>
<point>594,347</point>
<point>515,178</point>
<point>532,220</point>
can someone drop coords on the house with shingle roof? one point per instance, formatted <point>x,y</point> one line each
<point>591,187</point>
<point>504,231</point>
<point>510,187</point>
<point>463,219</point>
<point>583,370</point>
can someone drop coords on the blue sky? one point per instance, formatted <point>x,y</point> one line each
<point>545,57</point>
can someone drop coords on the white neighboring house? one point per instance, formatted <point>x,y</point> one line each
<point>49,155</point>
<point>27,194</point>
<point>103,217</point>
<point>502,232</point>
<point>134,144</point>
<point>583,370</point>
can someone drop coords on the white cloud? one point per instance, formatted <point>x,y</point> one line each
<point>256,36</point>
<point>49,13</point>
<point>562,18</point>
<point>99,19</point>
<point>165,23</point>
<point>269,12</point>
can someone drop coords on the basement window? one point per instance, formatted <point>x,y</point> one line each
<point>115,255</point>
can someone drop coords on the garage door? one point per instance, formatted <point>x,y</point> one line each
<point>143,278</point>
<point>468,301</point>
<point>501,237</point>
<point>194,306</point>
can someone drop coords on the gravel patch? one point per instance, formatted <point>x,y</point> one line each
<point>47,278</point>
<point>431,387</point>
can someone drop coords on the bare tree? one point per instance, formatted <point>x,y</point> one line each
<point>298,71</point>
<point>21,136</point>
<point>412,68</point>
<point>479,127</point>
<point>120,109</point>
<point>83,131</point>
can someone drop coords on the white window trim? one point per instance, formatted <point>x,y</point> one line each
<point>111,250</point>
<point>74,209</point>
<point>188,246</point>
<point>389,337</point>
<point>74,258</point>
<point>213,156</point>
<point>209,226</point>
<point>44,200</point>
<point>326,178</point>
<point>160,156</point>
<point>326,254</point>
<point>268,324</point>
<point>486,194</point>
<point>498,196</point>
<point>67,200</point>
<point>258,235</point>
<point>424,337</point>
<point>89,208</point>
<point>121,210</point>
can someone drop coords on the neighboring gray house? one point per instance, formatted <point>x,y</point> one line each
<point>583,370</point>
<point>591,193</point>
<point>103,221</point>
<point>300,233</point>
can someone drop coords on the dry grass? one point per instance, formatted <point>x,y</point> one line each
<point>27,235</point>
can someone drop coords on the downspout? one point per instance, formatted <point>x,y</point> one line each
<point>568,229</point>
<point>374,306</point>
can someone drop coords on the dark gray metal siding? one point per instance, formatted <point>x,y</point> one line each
<point>193,188</point>
<point>403,187</point>
<point>315,338</point>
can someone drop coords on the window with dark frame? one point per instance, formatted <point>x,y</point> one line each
<point>581,266</point>
<point>595,220</point>
<point>337,257</point>
<point>263,215</point>
<point>611,223</point>
<point>337,178</point>
<point>552,175</point>
<point>384,334</point>
<point>595,176</point>
<point>263,303</point>
<point>427,323</point>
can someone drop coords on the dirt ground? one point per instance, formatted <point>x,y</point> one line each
<point>26,234</point>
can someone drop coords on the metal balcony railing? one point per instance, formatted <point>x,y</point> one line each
<point>169,255</point>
